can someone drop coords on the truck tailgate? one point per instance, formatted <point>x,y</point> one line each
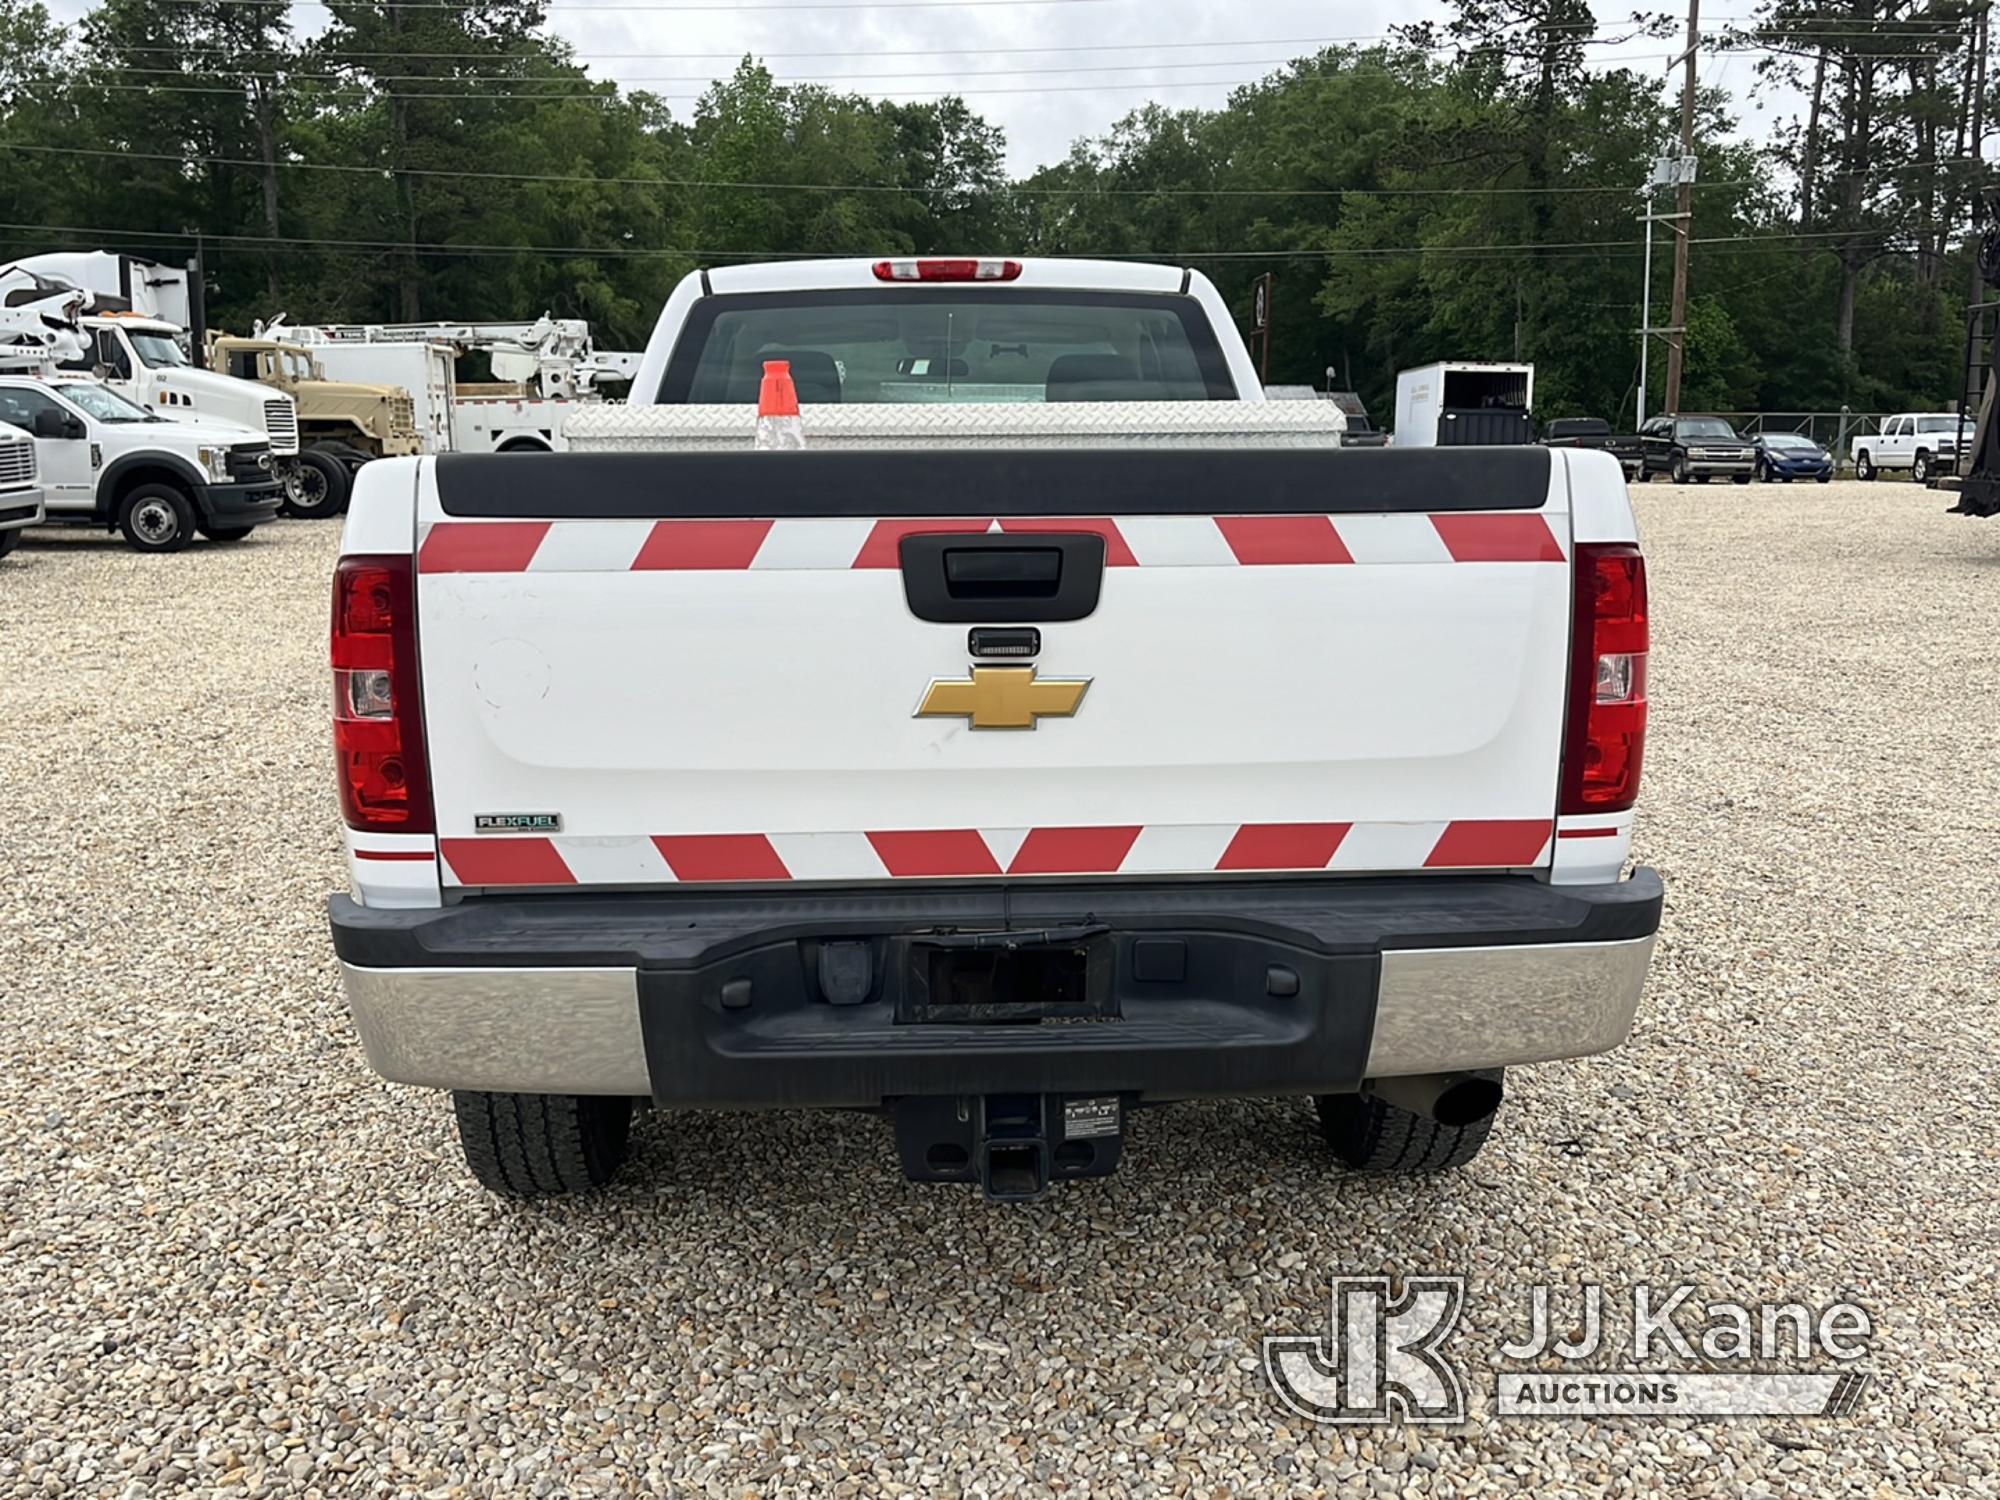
<point>647,668</point>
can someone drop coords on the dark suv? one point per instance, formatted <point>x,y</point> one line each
<point>1695,448</point>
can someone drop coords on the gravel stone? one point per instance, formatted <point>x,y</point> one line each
<point>236,1262</point>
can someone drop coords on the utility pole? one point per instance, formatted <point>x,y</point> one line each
<point>1978,293</point>
<point>1668,171</point>
<point>1683,220</point>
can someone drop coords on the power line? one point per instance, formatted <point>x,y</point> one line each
<point>820,78</point>
<point>492,56</point>
<point>1016,189</point>
<point>581,84</point>
<point>585,179</point>
<point>671,8</point>
<point>1525,251</point>
<point>1281,41</point>
<point>580,88</point>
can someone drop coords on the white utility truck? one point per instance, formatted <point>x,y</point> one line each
<point>1458,404</point>
<point>144,325</point>
<point>33,332</point>
<point>20,487</point>
<point>543,370</point>
<point>1002,764</point>
<point>108,463</point>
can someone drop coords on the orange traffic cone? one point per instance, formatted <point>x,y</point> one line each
<point>778,424</point>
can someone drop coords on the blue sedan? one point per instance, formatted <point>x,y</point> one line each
<point>1789,456</point>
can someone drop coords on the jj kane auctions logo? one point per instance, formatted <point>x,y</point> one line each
<point>1382,1358</point>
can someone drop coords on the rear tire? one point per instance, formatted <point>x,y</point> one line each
<point>319,488</point>
<point>541,1145</point>
<point>1371,1136</point>
<point>156,518</point>
<point>226,533</point>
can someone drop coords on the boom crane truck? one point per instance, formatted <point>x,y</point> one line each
<point>541,369</point>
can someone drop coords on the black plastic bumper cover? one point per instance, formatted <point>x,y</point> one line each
<point>242,504</point>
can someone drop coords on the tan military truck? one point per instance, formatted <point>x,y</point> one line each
<point>342,424</point>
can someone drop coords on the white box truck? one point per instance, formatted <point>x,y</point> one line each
<point>1455,404</point>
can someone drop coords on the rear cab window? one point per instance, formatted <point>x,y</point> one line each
<point>931,345</point>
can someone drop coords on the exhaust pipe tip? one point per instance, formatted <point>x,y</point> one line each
<point>1454,1100</point>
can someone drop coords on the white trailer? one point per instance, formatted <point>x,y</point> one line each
<point>1454,403</point>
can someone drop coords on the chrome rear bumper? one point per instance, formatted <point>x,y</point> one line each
<point>579,1030</point>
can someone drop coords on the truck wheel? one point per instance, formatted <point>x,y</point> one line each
<point>1740,478</point>
<point>9,540</point>
<point>1679,469</point>
<point>1369,1135</point>
<point>1864,466</point>
<point>156,518</point>
<point>317,488</point>
<point>226,533</point>
<point>539,1145</point>
<point>1920,467</point>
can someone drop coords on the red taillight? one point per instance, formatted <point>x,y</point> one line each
<point>378,726</point>
<point>1607,688</point>
<point>947,270</point>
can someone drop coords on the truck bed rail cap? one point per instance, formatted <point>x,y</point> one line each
<point>981,424</point>
<point>953,481</point>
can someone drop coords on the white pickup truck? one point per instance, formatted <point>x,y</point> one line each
<point>1920,444</point>
<point>998,763</point>
<point>20,487</point>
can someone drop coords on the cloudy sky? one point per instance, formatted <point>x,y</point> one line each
<point>1047,71</point>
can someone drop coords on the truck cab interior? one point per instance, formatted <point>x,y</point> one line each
<point>906,345</point>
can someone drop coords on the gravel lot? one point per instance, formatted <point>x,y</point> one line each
<point>232,1260</point>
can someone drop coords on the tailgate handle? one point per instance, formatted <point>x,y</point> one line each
<point>959,578</point>
<point>1002,572</point>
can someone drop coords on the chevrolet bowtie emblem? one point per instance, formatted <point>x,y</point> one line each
<point>1002,697</point>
